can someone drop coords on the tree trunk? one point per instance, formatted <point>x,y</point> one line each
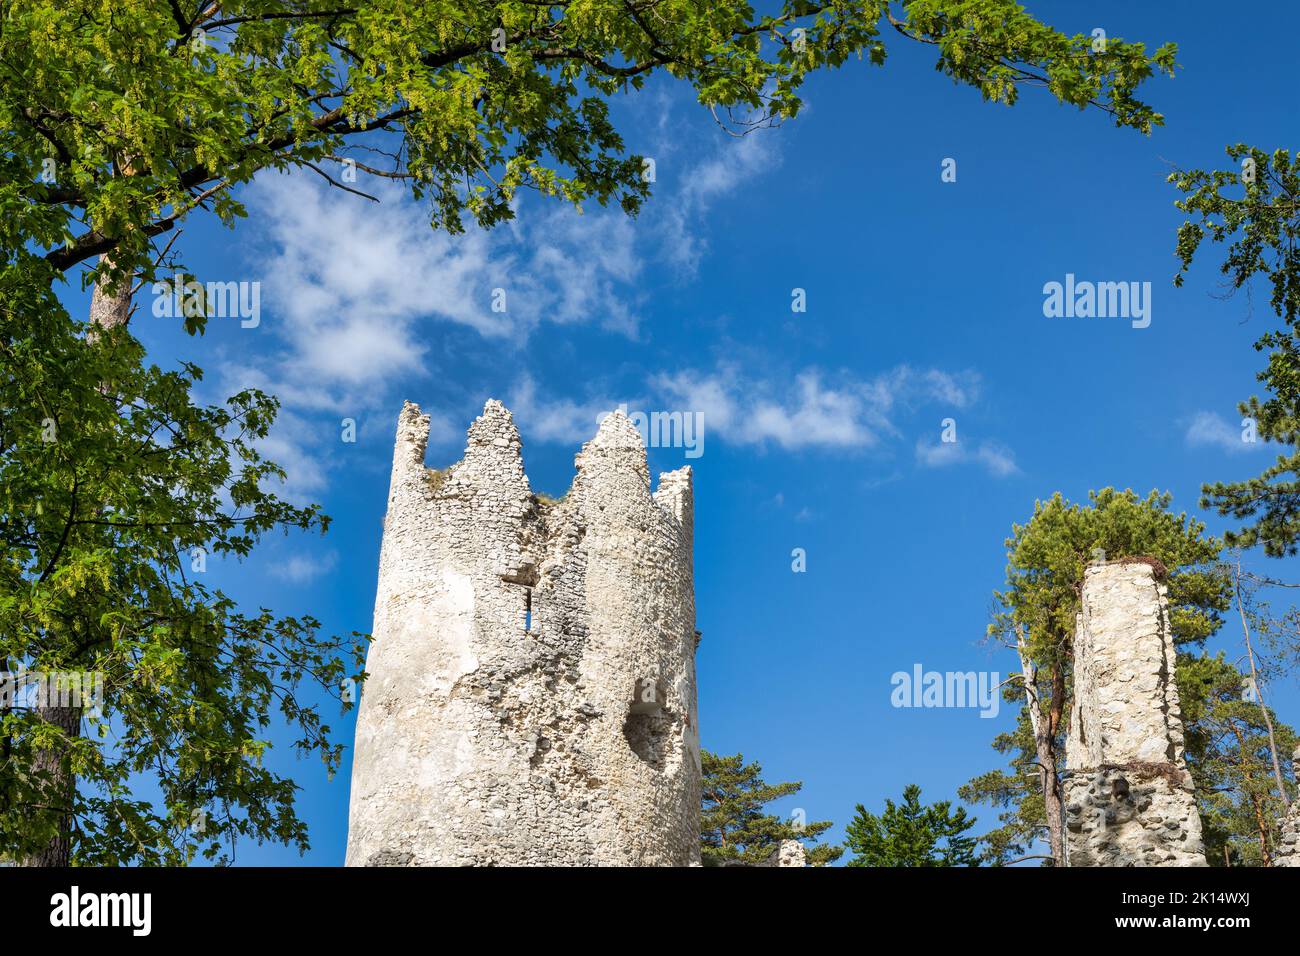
<point>52,766</point>
<point>1052,800</point>
<point>1259,694</point>
<point>1261,824</point>
<point>1261,828</point>
<point>107,311</point>
<point>1045,750</point>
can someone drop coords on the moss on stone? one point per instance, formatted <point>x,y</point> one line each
<point>434,478</point>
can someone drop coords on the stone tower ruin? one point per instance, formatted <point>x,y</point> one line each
<point>1128,792</point>
<point>531,698</point>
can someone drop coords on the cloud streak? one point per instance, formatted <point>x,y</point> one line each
<point>1211,430</point>
<point>809,411</point>
<point>303,568</point>
<point>994,457</point>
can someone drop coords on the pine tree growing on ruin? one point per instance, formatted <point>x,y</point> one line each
<point>1036,616</point>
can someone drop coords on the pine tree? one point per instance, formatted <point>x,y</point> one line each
<point>733,826</point>
<point>912,834</point>
<point>1227,747</point>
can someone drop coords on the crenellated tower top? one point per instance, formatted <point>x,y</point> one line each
<point>531,697</point>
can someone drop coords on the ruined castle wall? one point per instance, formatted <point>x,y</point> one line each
<point>531,697</point>
<point>1287,851</point>
<point>1128,793</point>
<point>787,853</point>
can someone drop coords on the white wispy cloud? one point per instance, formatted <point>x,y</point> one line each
<point>806,410</point>
<point>996,458</point>
<point>729,165</point>
<point>1209,429</point>
<point>581,269</point>
<point>559,420</point>
<point>800,413</point>
<point>354,287</point>
<point>302,568</point>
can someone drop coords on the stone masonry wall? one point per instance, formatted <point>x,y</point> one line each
<point>1287,851</point>
<point>1128,793</point>
<point>531,698</point>
<point>787,853</point>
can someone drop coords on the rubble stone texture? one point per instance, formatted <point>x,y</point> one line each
<point>1287,851</point>
<point>1128,794</point>
<point>532,697</point>
<point>787,853</point>
<point>783,853</point>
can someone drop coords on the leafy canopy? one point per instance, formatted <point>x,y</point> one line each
<point>115,489</point>
<point>120,116</point>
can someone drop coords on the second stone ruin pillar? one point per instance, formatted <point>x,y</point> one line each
<point>1128,792</point>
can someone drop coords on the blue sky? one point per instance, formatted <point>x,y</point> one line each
<point>822,428</point>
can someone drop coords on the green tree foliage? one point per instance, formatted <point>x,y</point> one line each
<point>119,117</point>
<point>1036,614</point>
<point>112,485</point>
<point>733,826</point>
<point>1228,753</point>
<point>911,834</point>
<point>1254,209</point>
<point>1016,793</point>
